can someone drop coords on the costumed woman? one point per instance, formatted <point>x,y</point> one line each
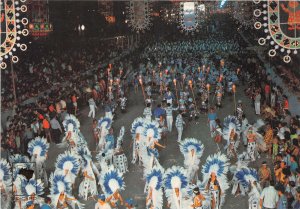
<point>137,129</point>
<point>104,124</point>
<point>119,157</point>
<point>38,150</point>
<point>112,183</point>
<point>31,191</point>
<point>214,177</point>
<point>5,184</point>
<point>231,133</point>
<point>154,183</point>
<point>192,150</point>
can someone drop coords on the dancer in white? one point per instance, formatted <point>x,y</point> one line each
<point>5,184</point>
<point>154,183</point>
<point>231,133</point>
<point>192,150</point>
<point>137,129</point>
<point>104,124</point>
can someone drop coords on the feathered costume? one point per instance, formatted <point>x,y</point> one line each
<point>60,193</point>
<point>119,157</point>
<point>192,150</point>
<point>175,183</point>
<point>112,183</point>
<point>5,184</point>
<point>152,134</point>
<point>216,164</point>
<point>88,184</point>
<point>245,177</point>
<point>31,191</point>
<point>38,149</point>
<point>104,124</point>
<point>73,136</point>
<point>137,130</point>
<point>67,164</point>
<point>231,133</point>
<point>154,183</point>
<point>206,204</point>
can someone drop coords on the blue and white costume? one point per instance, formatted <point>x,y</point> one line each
<point>154,183</point>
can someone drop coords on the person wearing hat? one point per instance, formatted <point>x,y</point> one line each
<point>198,199</point>
<point>129,204</point>
<point>101,203</point>
<point>30,205</point>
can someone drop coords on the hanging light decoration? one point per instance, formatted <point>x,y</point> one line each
<point>280,20</point>
<point>139,18</point>
<point>188,16</point>
<point>243,13</point>
<point>12,28</point>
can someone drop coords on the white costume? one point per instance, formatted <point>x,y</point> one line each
<point>137,129</point>
<point>154,183</point>
<point>5,184</point>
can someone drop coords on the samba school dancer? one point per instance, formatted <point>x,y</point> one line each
<point>175,184</point>
<point>119,157</point>
<point>5,184</point>
<point>192,150</point>
<point>31,191</point>
<point>214,173</point>
<point>104,124</point>
<point>38,150</point>
<point>154,183</point>
<point>137,129</point>
<point>231,133</point>
<point>61,193</point>
<point>112,183</point>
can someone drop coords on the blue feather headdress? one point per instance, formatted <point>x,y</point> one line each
<point>154,177</point>
<point>71,123</point>
<point>68,161</point>
<point>217,163</point>
<point>59,184</point>
<point>175,177</point>
<point>246,176</point>
<point>137,127</point>
<point>105,122</point>
<point>192,144</point>
<point>5,172</point>
<point>32,186</point>
<point>231,122</point>
<point>152,129</point>
<point>111,181</point>
<point>85,155</point>
<point>38,146</point>
<point>19,162</point>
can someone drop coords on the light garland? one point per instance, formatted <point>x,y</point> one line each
<point>188,16</point>
<point>284,35</point>
<point>139,15</point>
<point>13,30</point>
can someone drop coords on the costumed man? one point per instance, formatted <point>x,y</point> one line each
<point>192,150</point>
<point>61,193</point>
<point>67,165</point>
<point>169,97</point>
<point>148,112</point>
<point>231,133</point>
<point>38,150</point>
<point>154,183</point>
<point>214,173</point>
<point>119,157</point>
<point>5,184</point>
<point>112,183</point>
<point>104,124</point>
<point>101,203</point>
<point>88,184</point>
<point>175,184</point>
<point>137,129</point>
<point>239,111</point>
<point>179,125</point>
<point>198,199</point>
<point>251,146</point>
<point>93,107</point>
<point>169,116</point>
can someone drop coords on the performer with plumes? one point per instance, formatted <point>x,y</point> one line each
<point>192,150</point>
<point>38,150</point>
<point>254,195</point>
<point>5,184</point>
<point>214,177</point>
<point>61,193</point>
<point>137,129</point>
<point>67,165</point>
<point>198,199</point>
<point>88,184</point>
<point>231,133</point>
<point>154,183</point>
<point>31,191</point>
<point>175,183</point>
<point>119,157</point>
<point>101,203</point>
<point>112,183</point>
<point>104,124</point>
<point>251,146</point>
